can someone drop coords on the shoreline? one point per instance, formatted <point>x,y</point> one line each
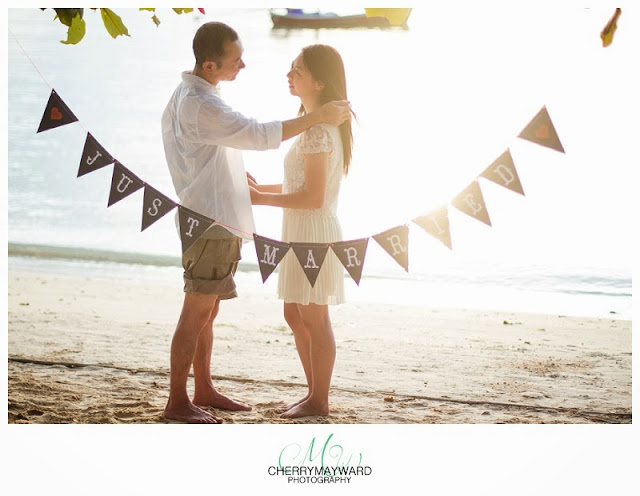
<point>92,348</point>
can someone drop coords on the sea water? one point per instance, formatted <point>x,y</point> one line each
<point>435,103</point>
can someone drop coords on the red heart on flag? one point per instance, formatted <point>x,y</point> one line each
<point>55,114</point>
<point>542,132</point>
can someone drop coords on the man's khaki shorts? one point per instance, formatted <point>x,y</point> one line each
<point>209,266</point>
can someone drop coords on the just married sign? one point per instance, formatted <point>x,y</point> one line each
<point>311,256</point>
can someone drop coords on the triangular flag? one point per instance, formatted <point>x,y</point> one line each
<point>396,243</point>
<point>123,183</point>
<point>154,206</point>
<point>351,254</point>
<point>471,202</point>
<point>503,172</point>
<point>94,156</point>
<point>270,253</point>
<point>541,131</point>
<point>311,257</point>
<point>56,113</point>
<point>192,226</point>
<point>436,223</point>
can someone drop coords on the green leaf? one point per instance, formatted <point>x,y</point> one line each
<point>76,31</point>
<point>156,20</point>
<point>113,23</point>
<point>66,16</point>
<point>182,11</point>
<point>150,10</point>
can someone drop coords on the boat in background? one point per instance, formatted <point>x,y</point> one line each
<point>371,18</point>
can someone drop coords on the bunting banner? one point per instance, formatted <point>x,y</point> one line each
<point>471,202</point>
<point>311,256</point>
<point>192,226</point>
<point>56,114</point>
<point>94,156</point>
<point>503,172</point>
<point>541,131</point>
<point>396,243</point>
<point>123,183</point>
<point>436,223</point>
<point>270,253</point>
<point>351,255</point>
<point>154,206</point>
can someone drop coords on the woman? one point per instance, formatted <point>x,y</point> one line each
<point>313,170</point>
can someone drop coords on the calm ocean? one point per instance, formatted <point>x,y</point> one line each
<point>436,104</point>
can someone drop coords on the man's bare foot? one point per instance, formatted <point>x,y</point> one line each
<point>190,414</point>
<point>306,409</point>
<point>216,400</point>
<point>295,403</point>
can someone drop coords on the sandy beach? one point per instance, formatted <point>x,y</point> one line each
<point>89,349</point>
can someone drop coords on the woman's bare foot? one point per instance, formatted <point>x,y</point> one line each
<point>190,414</point>
<point>295,403</point>
<point>307,409</point>
<point>216,400</point>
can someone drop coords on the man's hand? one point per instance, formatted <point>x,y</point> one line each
<point>335,113</point>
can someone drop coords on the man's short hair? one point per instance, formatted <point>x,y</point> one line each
<point>209,41</point>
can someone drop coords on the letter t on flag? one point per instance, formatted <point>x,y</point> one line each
<point>270,253</point>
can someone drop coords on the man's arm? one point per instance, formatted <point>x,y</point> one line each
<point>334,113</point>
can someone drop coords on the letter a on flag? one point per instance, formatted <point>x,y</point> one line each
<point>154,206</point>
<point>541,131</point>
<point>192,226</point>
<point>311,257</point>
<point>270,253</point>
<point>396,243</point>
<point>503,172</point>
<point>56,113</point>
<point>351,254</point>
<point>94,156</point>
<point>471,202</point>
<point>436,223</point>
<point>123,183</point>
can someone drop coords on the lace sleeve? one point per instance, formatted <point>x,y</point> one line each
<point>315,140</point>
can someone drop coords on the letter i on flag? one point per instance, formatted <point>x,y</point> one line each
<point>396,243</point>
<point>436,223</point>
<point>541,131</point>
<point>351,254</point>
<point>270,253</point>
<point>56,114</point>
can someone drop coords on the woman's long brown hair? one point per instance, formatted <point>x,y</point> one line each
<point>325,65</point>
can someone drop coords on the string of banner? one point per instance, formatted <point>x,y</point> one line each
<point>270,252</point>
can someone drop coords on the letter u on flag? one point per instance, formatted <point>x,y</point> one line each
<point>123,183</point>
<point>270,253</point>
<point>56,113</point>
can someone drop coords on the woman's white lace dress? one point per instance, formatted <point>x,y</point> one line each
<point>313,226</point>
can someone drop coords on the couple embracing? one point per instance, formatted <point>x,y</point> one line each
<point>203,138</point>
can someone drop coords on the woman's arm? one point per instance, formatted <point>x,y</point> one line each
<point>311,197</point>
<point>268,188</point>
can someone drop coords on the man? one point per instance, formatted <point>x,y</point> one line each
<point>202,138</point>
